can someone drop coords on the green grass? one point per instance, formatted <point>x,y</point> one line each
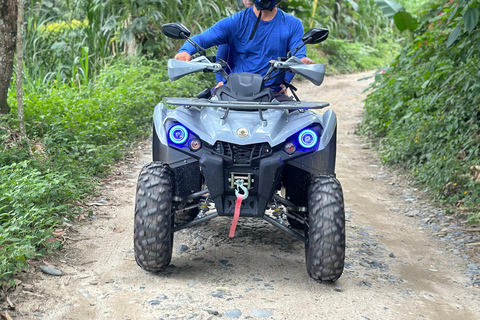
<point>79,134</point>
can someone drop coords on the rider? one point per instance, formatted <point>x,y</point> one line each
<point>255,37</point>
<point>223,51</point>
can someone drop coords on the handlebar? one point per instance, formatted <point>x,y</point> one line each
<point>178,69</point>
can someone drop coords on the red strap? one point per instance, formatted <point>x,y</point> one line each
<point>236,215</point>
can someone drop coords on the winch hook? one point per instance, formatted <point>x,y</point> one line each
<point>239,183</point>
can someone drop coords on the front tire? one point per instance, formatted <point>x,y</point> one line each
<point>153,235</point>
<point>325,245</point>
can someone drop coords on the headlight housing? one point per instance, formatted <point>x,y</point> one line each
<point>178,134</point>
<point>308,138</point>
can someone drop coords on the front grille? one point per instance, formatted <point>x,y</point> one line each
<point>241,154</point>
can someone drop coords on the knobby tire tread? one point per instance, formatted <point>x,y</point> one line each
<point>325,247</point>
<point>153,234</point>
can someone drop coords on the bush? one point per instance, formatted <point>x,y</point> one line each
<point>426,107</point>
<point>77,133</point>
<point>344,56</point>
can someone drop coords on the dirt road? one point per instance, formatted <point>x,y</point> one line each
<point>397,266</point>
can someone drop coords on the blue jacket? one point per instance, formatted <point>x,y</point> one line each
<point>272,39</point>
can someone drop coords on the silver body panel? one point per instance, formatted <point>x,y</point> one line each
<point>278,126</point>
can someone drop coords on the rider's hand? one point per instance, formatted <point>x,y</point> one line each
<point>307,60</point>
<point>219,84</point>
<point>183,56</point>
<point>284,89</point>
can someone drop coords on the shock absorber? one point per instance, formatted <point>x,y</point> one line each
<point>277,211</point>
<point>203,206</point>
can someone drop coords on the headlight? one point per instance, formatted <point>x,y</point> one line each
<point>178,134</point>
<point>290,147</point>
<point>308,138</point>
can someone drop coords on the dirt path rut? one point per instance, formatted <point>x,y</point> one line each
<point>396,265</point>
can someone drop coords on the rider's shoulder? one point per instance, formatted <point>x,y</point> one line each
<point>287,16</point>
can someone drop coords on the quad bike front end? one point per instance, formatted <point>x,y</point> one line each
<point>241,153</point>
<point>273,164</point>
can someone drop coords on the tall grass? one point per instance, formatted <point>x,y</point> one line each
<point>61,43</point>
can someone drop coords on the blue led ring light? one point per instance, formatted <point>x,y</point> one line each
<point>308,138</point>
<point>178,134</point>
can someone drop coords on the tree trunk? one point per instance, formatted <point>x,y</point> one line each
<point>130,47</point>
<point>8,35</point>
<point>21,117</point>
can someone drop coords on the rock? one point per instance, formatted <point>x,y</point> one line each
<point>391,255</point>
<point>338,289</point>
<point>162,297</point>
<point>51,271</point>
<point>233,313</point>
<point>192,283</point>
<point>472,266</point>
<point>38,314</point>
<point>261,313</point>
<point>182,248</point>
<point>154,302</point>
<point>225,262</point>
<point>219,294</point>
<point>214,312</point>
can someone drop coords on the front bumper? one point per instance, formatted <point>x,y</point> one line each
<point>218,179</point>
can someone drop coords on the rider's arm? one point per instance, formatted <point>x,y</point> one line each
<point>222,55</point>
<point>296,34</point>
<point>213,36</point>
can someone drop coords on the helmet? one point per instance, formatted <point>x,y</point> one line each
<point>266,4</point>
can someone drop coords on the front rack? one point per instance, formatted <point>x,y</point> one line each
<point>248,105</point>
<point>245,105</point>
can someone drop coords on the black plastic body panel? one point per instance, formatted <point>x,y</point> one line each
<point>245,87</point>
<point>217,179</point>
<point>186,169</point>
<point>321,161</point>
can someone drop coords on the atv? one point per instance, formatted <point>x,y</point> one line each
<point>247,155</point>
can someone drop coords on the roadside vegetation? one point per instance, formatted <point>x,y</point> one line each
<point>361,36</point>
<point>92,73</point>
<point>425,107</point>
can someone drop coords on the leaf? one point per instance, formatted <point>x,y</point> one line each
<point>454,35</point>
<point>354,5</point>
<point>454,12</point>
<point>478,44</point>
<point>470,19</point>
<point>7,316</point>
<point>404,20</point>
<point>10,303</point>
<point>389,8</point>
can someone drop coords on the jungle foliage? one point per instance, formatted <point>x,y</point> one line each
<point>361,36</point>
<point>425,107</point>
